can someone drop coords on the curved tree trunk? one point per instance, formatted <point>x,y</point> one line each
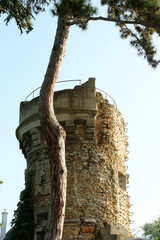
<point>55,136</point>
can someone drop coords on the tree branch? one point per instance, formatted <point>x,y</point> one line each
<point>78,21</point>
<point>113,20</point>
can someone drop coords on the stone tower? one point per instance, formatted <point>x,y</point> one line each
<point>96,151</point>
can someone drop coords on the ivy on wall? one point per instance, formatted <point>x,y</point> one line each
<point>23,222</point>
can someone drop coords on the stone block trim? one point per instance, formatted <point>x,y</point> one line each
<point>96,151</point>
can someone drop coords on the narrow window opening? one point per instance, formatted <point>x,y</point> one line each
<point>80,129</point>
<point>122,180</point>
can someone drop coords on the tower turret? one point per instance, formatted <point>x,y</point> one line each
<point>96,151</point>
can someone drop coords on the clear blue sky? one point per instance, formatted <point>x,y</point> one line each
<point>98,52</point>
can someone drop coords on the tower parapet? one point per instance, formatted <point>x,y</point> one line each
<point>97,201</point>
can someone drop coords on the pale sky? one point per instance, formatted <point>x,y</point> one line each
<point>98,52</point>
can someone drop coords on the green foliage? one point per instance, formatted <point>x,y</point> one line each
<point>75,9</point>
<point>152,230</point>
<point>137,20</point>
<point>145,16</point>
<point>1,182</point>
<point>17,10</point>
<point>23,221</point>
<point>22,11</point>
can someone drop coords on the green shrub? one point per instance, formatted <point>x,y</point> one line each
<point>23,221</point>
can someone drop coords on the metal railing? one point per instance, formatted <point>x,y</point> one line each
<point>33,92</point>
<point>106,95</point>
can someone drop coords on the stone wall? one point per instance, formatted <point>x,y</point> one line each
<point>96,151</point>
<point>111,141</point>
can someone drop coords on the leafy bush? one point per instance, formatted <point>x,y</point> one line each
<point>23,221</point>
<point>152,230</point>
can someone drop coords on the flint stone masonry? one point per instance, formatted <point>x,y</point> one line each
<point>96,150</point>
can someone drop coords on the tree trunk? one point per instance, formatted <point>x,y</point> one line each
<point>55,136</point>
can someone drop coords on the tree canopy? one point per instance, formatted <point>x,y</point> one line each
<point>136,19</point>
<point>152,230</point>
<point>22,11</point>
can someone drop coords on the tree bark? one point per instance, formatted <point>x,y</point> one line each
<point>55,136</point>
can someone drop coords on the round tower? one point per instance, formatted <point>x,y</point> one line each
<point>96,150</point>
